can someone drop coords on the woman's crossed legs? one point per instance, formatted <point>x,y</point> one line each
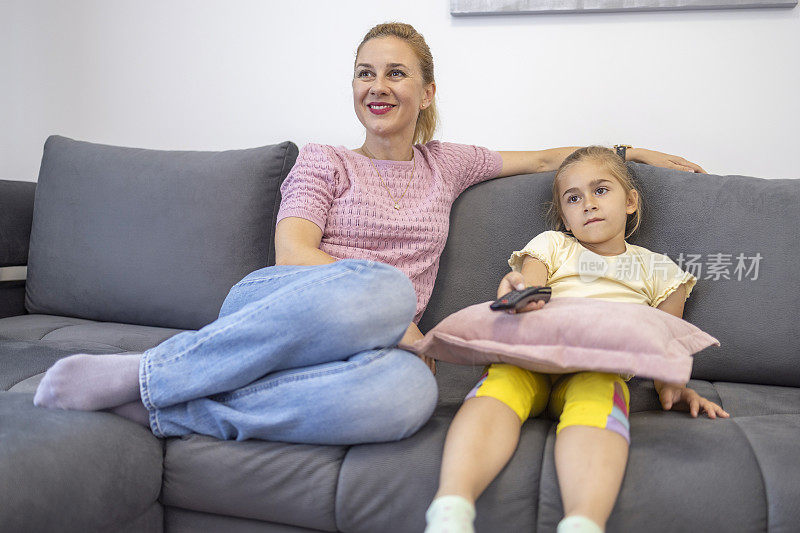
<point>288,331</point>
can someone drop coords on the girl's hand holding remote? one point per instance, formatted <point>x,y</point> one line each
<point>514,281</point>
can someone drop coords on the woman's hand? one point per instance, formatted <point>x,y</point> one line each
<point>430,361</point>
<point>514,281</point>
<point>660,159</point>
<point>685,399</point>
<point>412,335</point>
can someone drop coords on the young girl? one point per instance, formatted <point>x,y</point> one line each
<point>595,207</point>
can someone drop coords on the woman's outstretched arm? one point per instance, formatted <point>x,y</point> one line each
<point>546,160</point>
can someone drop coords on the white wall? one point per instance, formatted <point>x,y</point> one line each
<point>718,87</point>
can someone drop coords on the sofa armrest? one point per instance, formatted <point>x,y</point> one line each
<point>16,216</point>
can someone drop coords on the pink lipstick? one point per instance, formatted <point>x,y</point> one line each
<point>380,108</point>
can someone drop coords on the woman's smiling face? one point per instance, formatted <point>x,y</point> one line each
<point>388,89</point>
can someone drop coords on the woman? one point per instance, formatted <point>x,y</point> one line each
<point>305,351</point>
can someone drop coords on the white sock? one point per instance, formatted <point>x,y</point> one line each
<point>450,514</point>
<point>578,524</point>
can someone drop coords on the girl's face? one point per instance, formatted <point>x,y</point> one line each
<point>595,206</point>
<point>388,90</point>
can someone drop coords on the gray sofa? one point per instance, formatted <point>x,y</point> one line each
<point>126,247</point>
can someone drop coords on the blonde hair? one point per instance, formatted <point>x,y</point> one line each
<point>428,118</point>
<point>615,166</point>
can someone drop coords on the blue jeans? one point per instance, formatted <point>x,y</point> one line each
<point>302,354</point>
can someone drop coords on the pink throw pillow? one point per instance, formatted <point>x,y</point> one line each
<point>571,335</point>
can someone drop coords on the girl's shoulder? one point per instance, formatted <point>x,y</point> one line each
<point>553,240</point>
<point>653,264</point>
<point>548,235</point>
<point>561,239</point>
<point>635,249</point>
<point>645,253</point>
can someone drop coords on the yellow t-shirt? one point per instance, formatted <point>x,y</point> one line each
<point>636,275</point>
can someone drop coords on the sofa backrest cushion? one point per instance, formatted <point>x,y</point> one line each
<point>150,237</point>
<point>739,235</point>
<point>16,214</point>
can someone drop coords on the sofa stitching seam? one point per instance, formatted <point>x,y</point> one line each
<point>52,330</point>
<point>336,490</point>
<point>714,385</point>
<point>115,346</point>
<point>760,470</point>
<point>541,477</point>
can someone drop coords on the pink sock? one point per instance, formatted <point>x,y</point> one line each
<point>86,382</point>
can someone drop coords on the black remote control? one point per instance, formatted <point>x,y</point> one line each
<point>517,300</point>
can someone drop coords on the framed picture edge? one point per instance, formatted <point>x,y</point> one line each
<point>544,7</point>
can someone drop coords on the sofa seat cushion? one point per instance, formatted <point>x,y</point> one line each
<point>388,487</point>
<point>76,471</point>
<point>178,520</point>
<point>676,462</point>
<point>692,474</point>
<point>745,399</point>
<point>30,344</point>
<point>738,399</point>
<point>691,466</point>
<point>775,442</point>
<point>22,363</point>
<point>292,484</point>
<point>51,328</point>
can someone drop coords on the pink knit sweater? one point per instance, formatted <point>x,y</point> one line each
<point>339,191</point>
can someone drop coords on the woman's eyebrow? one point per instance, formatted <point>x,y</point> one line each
<point>390,65</point>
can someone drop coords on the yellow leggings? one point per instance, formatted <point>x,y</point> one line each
<point>594,399</point>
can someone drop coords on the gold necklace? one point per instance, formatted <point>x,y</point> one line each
<point>413,168</point>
